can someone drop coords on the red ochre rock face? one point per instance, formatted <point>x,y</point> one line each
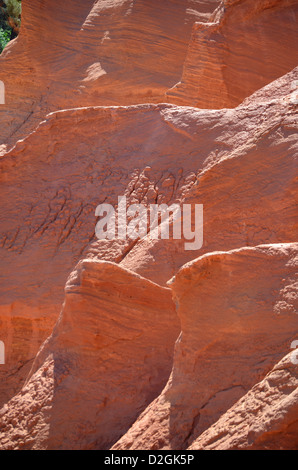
<point>265,418</point>
<point>236,323</point>
<point>227,59</point>
<point>96,109</point>
<point>109,356</point>
<point>90,53</point>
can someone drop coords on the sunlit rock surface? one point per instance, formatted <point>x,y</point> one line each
<point>95,109</point>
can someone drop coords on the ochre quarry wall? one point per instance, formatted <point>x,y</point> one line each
<point>236,323</point>
<point>171,102</point>
<point>238,163</point>
<point>88,53</point>
<point>244,46</point>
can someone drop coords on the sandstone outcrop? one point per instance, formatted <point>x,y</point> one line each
<point>90,53</point>
<point>209,54</point>
<point>238,313</point>
<point>95,109</point>
<point>244,177</point>
<point>243,46</point>
<point>264,419</point>
<point>109,356</point>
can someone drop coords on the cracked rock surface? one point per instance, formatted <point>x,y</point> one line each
<point>142,344</point>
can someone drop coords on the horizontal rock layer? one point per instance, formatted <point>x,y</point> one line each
<point>243,47</point>
<point>107,52</point>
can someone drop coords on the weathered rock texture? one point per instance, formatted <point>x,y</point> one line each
<point>85,121</point>
<point>244,46</point>
<point>109,356</point>
<point>238,163</point>
<point>108,52</point>
<point>227,303</point>
<point>265,418</point>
